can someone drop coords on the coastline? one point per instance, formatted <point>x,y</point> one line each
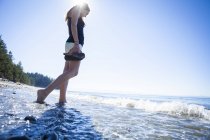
<point>93,116</point>
<point>4,83</point>
<point>22,118</point>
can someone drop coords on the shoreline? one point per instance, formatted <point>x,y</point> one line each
<point>88,116</point>
<point>4,83</point>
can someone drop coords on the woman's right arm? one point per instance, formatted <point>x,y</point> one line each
<point>74,19</point>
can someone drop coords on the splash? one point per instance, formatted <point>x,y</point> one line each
<point>177,108</point>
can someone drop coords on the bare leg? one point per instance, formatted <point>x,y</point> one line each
<point>73,71</point>
<point>63,87</point>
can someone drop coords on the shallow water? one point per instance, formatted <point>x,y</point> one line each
<point>104,116</point>
<point>52,120</point>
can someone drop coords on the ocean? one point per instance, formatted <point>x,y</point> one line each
<point>109,116</point>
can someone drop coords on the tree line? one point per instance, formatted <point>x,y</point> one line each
<point>14,72</point>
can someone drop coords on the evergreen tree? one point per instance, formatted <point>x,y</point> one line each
<point>5,61</point>
<point>39,80</point>
<point>15,73</point>
<point>2,57</point>
<point>10,56</point>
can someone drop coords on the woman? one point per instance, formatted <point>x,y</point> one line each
<point>73,44</point>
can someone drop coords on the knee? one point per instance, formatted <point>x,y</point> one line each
<point>72,73</point>
<point>75,73</point>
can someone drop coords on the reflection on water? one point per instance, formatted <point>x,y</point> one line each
<point>52,121</point>
<point>93,116</point>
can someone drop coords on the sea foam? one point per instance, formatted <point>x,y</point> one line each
<point>178,108</point>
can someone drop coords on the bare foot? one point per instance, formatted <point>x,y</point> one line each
<point>62,101</point>
<point>41,95</point>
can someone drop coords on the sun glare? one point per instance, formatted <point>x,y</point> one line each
<point>79,2</point>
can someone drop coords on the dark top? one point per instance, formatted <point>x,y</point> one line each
<point>80,26</point>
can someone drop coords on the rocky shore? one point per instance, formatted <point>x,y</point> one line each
<point>4,83</point>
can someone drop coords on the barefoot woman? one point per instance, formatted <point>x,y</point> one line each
<point>73,44</point>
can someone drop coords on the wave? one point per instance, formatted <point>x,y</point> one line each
<point>177,108</point>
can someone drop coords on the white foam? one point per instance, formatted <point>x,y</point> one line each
<point>173,107</point>
<point>177,108</point>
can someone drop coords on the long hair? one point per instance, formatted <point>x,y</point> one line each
<point>83,6</point>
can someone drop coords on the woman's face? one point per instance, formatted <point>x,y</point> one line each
<point>85,12</point>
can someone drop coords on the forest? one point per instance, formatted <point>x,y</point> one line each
<point>14,72</point>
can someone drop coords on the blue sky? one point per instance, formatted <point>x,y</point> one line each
<point>157,47</point>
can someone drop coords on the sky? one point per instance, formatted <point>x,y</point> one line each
<point>150,47</point>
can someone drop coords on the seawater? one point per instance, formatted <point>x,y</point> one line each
<point>110,116</point>
<point>129,116</point>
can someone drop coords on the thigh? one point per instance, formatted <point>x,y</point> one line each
<point>66,67</point>
<point>73,65</point>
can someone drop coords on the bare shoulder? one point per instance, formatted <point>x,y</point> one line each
<point>74,12</point>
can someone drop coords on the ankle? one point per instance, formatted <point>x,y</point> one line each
<point>62,100</point>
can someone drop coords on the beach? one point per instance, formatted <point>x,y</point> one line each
<point>93,115</point>
<point>46,121</point>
